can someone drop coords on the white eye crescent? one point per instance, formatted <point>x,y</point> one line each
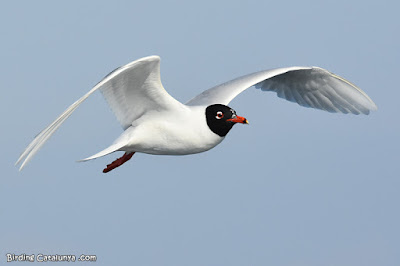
<point>219,115</point>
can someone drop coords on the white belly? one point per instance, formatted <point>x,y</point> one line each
<point>171,135</point>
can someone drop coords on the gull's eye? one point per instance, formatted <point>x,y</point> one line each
<point>219,115</point>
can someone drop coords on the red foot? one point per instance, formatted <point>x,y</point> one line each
<point>118,162</point>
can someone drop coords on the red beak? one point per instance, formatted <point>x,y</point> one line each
<point>238,119</point>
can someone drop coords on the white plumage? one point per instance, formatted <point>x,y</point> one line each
<point>156,123</point>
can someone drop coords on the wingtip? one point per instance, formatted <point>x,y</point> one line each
<point>19,159</point>
<point>21,167</point>
<point>17,162</point>
<point>82,160</point>
<point>374,107</point>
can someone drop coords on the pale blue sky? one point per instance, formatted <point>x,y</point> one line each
<point>295,187</point>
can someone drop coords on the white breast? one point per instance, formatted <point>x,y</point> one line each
<point>171,133</point>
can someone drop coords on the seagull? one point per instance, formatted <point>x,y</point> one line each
<point>156,123</point>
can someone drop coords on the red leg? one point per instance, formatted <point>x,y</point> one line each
<point>118,162</point>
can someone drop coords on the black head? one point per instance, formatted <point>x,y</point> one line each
<point>221,118</point>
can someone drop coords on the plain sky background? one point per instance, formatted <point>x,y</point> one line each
<point>295,187</point>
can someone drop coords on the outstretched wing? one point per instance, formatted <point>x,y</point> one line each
<point>308,86</point>
<point>130,90</point>
<point>136,88</point>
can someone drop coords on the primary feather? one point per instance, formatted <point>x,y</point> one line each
<point>134,90</point>
<point>308,86</point>
<point>130,90</point>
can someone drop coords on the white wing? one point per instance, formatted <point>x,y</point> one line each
<point>308,86</point>
<point>136,88</point>
<point>130,90</point>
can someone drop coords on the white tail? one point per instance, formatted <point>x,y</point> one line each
<point>111,149</point>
